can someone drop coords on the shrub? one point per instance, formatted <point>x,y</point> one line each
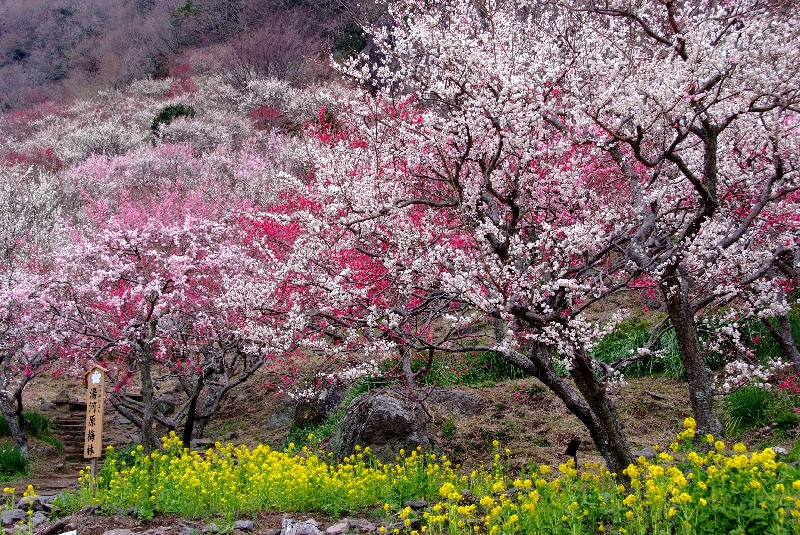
<point>12,462</point>
<point>38,425</point>
<point>629,336</point>
<point>472,369</point>
<point>753,406</point>
<point>350,43</point>
<point>169,113</point>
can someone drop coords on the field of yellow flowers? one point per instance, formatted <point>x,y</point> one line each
<point>686,489</point>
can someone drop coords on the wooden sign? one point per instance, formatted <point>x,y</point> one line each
<point>95,401</point>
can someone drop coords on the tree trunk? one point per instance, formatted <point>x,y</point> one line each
<point>148,436</point>
<point>9,410</point>
<point>206,408</point>
<point>612,438</point>
<point>189,426</point>
<point>595,410</point>
<point>783,336</point>
<point>698,372</point>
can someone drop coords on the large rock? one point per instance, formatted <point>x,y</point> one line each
<point>314,410</point>
<point>12,516</point>
<point>165,404</point>
<point>384,420</point>
<point>310,410</point>
<point>283,414</point>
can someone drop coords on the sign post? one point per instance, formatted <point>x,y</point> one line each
<point>95,401</point>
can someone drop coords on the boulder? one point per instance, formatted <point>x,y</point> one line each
<point>165,404</point>
<point>201,444</point>
<point>339,528</point>
<point>283,414</point>
<point>12,516</point>
<point>314,410</point>
<point>384,420</point>
<point>38,503</point>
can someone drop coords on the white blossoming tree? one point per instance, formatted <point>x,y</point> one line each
<point>513,166</point>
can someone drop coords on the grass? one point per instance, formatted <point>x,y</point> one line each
<point>39,427</point>
<point>12,463</point>
<point>473,369</point>
<point>633,334</point>
<point>752,406</point>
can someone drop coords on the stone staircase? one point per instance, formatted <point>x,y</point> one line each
<point>68,427</point>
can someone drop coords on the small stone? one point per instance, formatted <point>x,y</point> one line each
<point>119,531</point>
<point>468,497</point>
<point>780,451</point>
<point>306,527</point>
<point>187,528</point>
<point>37,518</point>
<point>416,504</point>
<point>201,443</point>
<point>338,528</point>
<point>244,525</point>
<point>361,525</point>
<point>89,509</point>
<point>647,452</point>
<point>210,528</point>
<point>37,503</point>
<point>273,532</point>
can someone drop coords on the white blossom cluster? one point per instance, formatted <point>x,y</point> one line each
<point>344,376</point>
<point>739,373</point>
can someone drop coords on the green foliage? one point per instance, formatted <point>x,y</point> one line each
<point>53,441</point>
<point>186,10</point>
<point>753,406</point>
<point>471,369</point>
<point>449,427</point>
<point>58,72</point>
<point>166,115</point>
<point>620,343</point>
<point>302,436</point>
<point>12,462</point>
<point>351,42</point>
<point>632,334</point>
<point>757,337</point>
<point>38,425</point>
<point>17,53</point>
